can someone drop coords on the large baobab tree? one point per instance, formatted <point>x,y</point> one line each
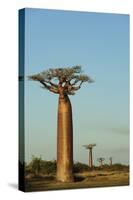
<point>90,147</point>
<point>63,82</point>
<point>100,160</point>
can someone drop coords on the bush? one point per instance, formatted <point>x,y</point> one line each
<point>35,166</point>
<point>114,167</point>
<point>80,167</point>
<point>38,166</point>
<point>49,167</point>
<point>119,167</point>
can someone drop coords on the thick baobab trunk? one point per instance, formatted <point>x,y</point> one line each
<point>90,158</point>
<point>64,140</point>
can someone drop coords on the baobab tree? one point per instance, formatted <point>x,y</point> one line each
<point>63,82</point>
<point>110,161</point>
<point>90,147</point>
<point>100,160</point>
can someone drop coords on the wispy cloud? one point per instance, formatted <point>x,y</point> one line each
<point>120,130</point>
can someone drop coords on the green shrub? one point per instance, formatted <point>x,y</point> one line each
<point>38,166</point>
<point>80,167</point>
<point>49,167</point>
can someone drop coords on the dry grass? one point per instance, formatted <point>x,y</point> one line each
<point>82,180</point>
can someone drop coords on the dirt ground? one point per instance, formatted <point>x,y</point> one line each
<point>82,180</point>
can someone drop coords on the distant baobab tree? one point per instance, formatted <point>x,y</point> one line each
<point>90,147</point>
<point>63,82</point>
<point>100,160</point>
<point>110,161</point>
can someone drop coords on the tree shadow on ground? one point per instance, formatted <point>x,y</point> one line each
<point>78,178</point>
<point>41,178</point>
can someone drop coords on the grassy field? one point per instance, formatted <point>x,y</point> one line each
<point>82,180</point>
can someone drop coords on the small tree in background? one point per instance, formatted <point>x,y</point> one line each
<point>36,165</point>
<point>90,147</point>
<point>63,82</point>
<point>110,161</point>
<point>100,160</point>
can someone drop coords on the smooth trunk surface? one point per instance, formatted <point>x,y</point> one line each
<point>64,140</point>
<point>90,158</point>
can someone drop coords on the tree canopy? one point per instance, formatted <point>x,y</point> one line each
<point>89,146</point>
<point>62,80</point>
<point>100,159</point>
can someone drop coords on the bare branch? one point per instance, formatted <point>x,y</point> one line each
<point>75,88</point>
<point>45,85</point>
<point>50,88</point>
<point>75,81</point>
<point>53,84</point>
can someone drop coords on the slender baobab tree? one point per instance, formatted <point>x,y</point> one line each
<point>110,161</point>
<point>100,160</point>
<point>63,82</point>
<point>90,147</point>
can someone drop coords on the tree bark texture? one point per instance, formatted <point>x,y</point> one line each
<point>64,140</point>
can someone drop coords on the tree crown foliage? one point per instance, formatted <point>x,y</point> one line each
<point>62,80</point>
<point>100,159</point>
<point>89,146</point>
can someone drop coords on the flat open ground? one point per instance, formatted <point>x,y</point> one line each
<point>82,180</point>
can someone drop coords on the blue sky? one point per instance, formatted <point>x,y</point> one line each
<point>100,43</point>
